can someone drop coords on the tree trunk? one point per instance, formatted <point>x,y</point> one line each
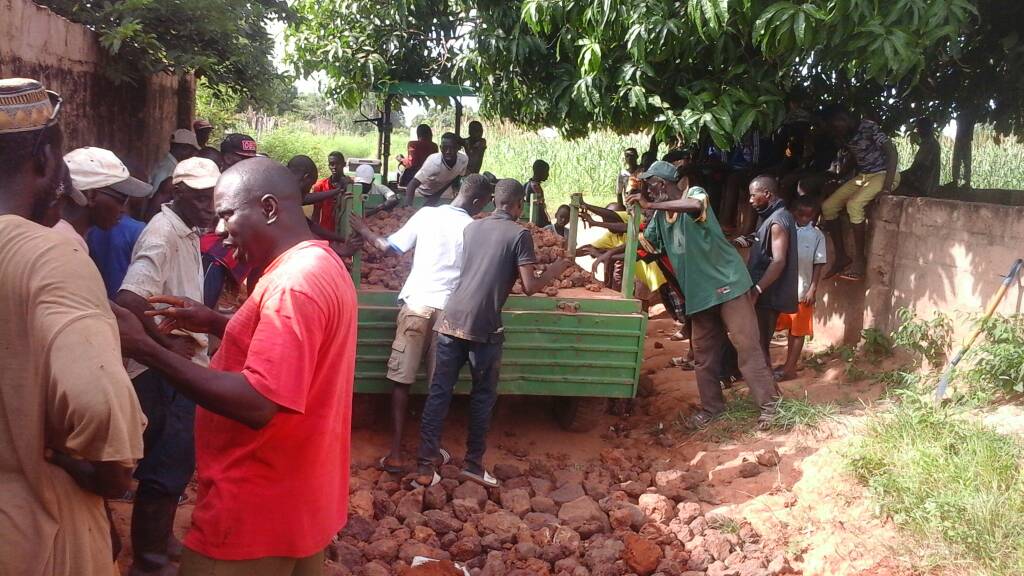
<point>186,100</point>
<point>962,148</point>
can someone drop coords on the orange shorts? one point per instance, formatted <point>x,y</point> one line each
<point>799,324</point>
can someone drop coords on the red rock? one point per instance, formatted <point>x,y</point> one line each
<point>359,527</point>
<point>471,491</point>
<point>768,457</point>
<point>508,470</point>
<point>465,508</point>
<point>361,504</point>
<point>543,504</point>
<point>435,498</point>
<point>385,550</point>
<point>442,522</point>
<point>687,511</point>
<point>540,486</point>
<point>345,554</point>
<point>717,544</point>
<point>641,555</point>
<point>411,549</point>
<point>376,569</point>
<point>425,535</point>
<point>627,517</point>
<point>465,549</point>
<point>615,458</point>
<point>582,510</point>
<point>502,524</point>
<point>657,507</point>
<point>516,501</point>
<point>567,493</point>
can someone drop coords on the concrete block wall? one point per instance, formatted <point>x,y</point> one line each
<point>928,255</point>
<point>135,121</point>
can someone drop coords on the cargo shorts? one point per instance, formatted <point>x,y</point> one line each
<point>414,339</point>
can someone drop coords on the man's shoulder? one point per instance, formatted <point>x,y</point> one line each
<point>47,255</point>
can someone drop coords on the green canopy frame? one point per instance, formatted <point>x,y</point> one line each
<point>414,90</point>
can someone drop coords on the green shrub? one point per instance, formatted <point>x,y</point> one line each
<point>997,359</point>
<point>290,140</point>
<point>929,338</point>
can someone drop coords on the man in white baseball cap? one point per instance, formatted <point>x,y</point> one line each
<point>96,192</point>
<point>166,260</point>
<point>365,181</point>
<point>183,145</point>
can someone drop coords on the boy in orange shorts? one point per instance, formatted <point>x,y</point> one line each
<point>811,260</point>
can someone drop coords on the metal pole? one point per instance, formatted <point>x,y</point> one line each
<point>576,200</point>
<point>629,262</point>
<point>384,137</point>
<point>458,117</point>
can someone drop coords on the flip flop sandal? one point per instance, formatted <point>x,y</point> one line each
<point>700,420</point>
<point>852,276</point>
<point>436,479</point>
<point>678,336</point>
<point>445,456</point>
<point>680,362</point>
<point>383,465</point>
<point>765,422</point>
<point>484,479</point>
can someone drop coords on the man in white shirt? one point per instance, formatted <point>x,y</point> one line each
<point>436,234</point>
<point>166,260</point>
<point>183,145</point>
<point>439,171</point>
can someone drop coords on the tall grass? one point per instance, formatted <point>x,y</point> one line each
<point>997,162</point>
<point>949,480</point>
<point>590,165</point>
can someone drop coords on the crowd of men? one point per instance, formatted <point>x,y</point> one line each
<point>119,363</point>
<point>123,365</point>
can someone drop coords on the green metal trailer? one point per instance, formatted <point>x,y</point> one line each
<point>581,350</point>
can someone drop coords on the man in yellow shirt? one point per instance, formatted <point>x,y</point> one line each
<point>70,425</point>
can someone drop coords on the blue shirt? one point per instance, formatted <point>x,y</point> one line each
<point>112,250</point>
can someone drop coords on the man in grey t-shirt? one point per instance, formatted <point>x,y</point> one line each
<point>496,251</point>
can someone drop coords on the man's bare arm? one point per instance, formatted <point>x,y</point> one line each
<point>780,245</point>
<point>533,284</point>
<point>107,479</point>
<point>139,306</point>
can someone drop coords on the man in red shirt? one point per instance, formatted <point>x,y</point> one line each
<point>324,195</point>
<point>418,151</point>
<point>272,427</point>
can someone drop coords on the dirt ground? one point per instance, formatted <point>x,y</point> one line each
<point>792,488</point>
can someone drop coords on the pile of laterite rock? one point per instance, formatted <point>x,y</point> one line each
<point>389,271</point>
<point>605,518</point>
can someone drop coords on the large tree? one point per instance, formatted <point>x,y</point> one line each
<point>684,66</point>
<point>224,41</point>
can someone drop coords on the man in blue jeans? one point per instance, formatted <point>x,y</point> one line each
<point>496,251</point>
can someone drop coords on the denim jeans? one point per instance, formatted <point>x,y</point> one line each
<point>169,452</point>
<point>450,355</point>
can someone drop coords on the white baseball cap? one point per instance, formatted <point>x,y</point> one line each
<point>364,174</point>
<point>196,173</point>
<point>92,168</point>
<point>185,136</point>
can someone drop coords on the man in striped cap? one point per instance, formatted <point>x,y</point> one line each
<point>70,425</point>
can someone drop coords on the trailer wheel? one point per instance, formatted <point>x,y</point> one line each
<point>577,414</point>
<point>366,410</point>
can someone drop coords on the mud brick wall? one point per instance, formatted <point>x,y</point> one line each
<point>135,121</point>
<point>929,255</point>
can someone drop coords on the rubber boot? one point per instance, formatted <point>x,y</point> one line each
<point>152,530</point>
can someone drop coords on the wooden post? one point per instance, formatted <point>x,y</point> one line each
<point>629,262</point>
<point>384,139</point>
<point>357,209</point>
<point>574,221</point>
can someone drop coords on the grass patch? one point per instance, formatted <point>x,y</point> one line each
<point>794,413</point>
<point>947,479</point>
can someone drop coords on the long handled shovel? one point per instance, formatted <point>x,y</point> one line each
<point>940,392</point>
